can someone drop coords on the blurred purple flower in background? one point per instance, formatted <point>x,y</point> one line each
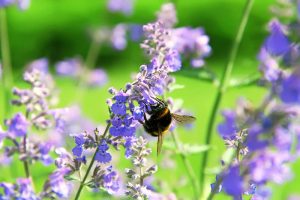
<point>192,43</point>
<point>69,67</point>
<point>22,4</point>
<point>290,88</point>
<point>123,6</point>
<point>118,36</point>
<point>97,78</point>
<point>277,42</point>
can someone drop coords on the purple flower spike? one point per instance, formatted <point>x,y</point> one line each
<point>277,43</point>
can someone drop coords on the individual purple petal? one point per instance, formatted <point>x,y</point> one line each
<point>255,141</point>
<point>79,139</point>
<point>118,108</point>
<point>121,97</point>
<point>290,89</point>
<point>103,157</point>
<point>103,145</point>
<point>8,189</point>
<point>233,182</point>
<point>136,32</point>
<point>116,121</point>
<point>77,151</point>
<point>277,43</point>
<point>129,131</point>
<point>228,128</point>
<point>269,66</point>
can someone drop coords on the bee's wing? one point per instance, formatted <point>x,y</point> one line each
<point>159,141</point>
<point>183,119</point>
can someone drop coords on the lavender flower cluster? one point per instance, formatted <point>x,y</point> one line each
<point>39,115</point>
<point>75,68</point>
<point>265,138</point>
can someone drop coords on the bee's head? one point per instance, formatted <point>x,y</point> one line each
<point>156,106</point>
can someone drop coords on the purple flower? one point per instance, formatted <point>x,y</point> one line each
<point>191,43</point>
<point>232,182</point>
<point>8,190</point>
<point>56,185</point>
<point>17,126</point>
<point>123,6</point>
<point>102,155</point>
<point>270,166</point>
<point>78,149</point>
<point>4,3</point>
<point>228,128</point>
<point>111,181</point>
<point>136,32</point>
<point>97,78</point>
<point>167,15</point>
<point>21,190</point>
<point>40,65</point>
<point>254,141</point>
<point>118,37</point>
<point>277,43</point>
<point>23,4</point>
<point>44,150</point>
<point>290,89</point>
<point>68,67</point>
<point>269,66</point>
<point>105,178</point>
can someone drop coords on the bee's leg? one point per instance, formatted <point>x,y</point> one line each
<point>145,118</point>
<point>162,102</point>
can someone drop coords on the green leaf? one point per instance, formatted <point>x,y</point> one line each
<point>72,177</point>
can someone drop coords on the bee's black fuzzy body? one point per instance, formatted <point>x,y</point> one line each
<point>160,119</point>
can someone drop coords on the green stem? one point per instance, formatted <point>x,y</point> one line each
<point>7,78</point>
<point>89,64</point>
<point>222,88</point>
<point>92,55</point>
<point>187,165</point>
<point>82,183</point>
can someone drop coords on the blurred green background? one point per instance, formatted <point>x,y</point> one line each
<point>58,29</point>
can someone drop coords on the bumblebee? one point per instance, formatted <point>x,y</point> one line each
<point>160,121</point>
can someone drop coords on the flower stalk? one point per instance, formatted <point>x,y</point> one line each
<point>7,80</point>
<point>187,165</point>
<point>223,87</point>
<point>83,182</point>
